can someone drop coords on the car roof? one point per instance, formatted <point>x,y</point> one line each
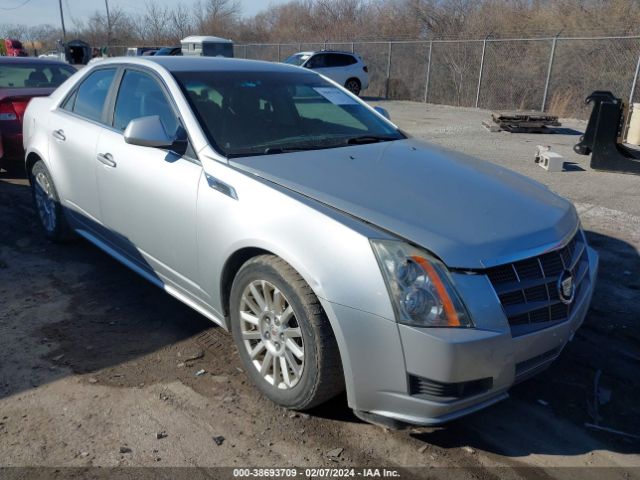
<point>195,64</point>
<point>203,38</point>
<point>313,52</point>
<point>31,60</point>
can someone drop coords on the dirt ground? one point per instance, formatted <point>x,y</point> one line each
<point>98,367</point>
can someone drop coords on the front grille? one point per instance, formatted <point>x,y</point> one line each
<point>528,289</point>
<point>432,389</point>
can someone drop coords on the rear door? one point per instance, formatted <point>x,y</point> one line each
<point>75,128</point>
<point>333,65</point>
<point>148,195</point>
<point>342,66</point>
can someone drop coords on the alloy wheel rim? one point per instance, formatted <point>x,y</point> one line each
<point>271,334</point>
<point>352,86</point>
<point>45,202</point>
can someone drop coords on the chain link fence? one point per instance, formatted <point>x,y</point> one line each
<point>547,74</point>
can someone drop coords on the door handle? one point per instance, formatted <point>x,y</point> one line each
<point>59,134</point>
<point>107,159</point>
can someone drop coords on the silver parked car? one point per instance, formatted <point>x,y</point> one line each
<point>337,250</point>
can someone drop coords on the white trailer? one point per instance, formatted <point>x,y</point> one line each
<point>207,46</point>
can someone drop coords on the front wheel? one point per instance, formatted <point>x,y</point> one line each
<point>284,338</point>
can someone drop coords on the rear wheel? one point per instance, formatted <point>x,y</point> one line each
<point>284,338</point>
<point>47,204</point>
<point>353,85</point>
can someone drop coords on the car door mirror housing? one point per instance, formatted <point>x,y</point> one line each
<point>149,132</point>
<point>383,112</point>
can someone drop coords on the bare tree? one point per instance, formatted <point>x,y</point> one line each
<point>218,17</point>
<point>182,23</point>
<point>13,30</point>
<point>157,20</point>
<point>221,10</point>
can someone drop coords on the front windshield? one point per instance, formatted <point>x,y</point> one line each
<point>262,113</point>
<point>297,59</point>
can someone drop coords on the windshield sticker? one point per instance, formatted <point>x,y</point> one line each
<point>335,96</point>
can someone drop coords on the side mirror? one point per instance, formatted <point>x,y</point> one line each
<point>383,112</point>
<point>149,132</point>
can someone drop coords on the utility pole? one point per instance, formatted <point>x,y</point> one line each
<point>64,31</point>
<point>106,4</point>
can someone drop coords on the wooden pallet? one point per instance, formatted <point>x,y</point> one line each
<point>525,122</point>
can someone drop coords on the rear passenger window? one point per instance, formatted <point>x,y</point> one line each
<point>140,95</point>
<point>70,101</point>
<point>340,60</point>
<point>91,95</point>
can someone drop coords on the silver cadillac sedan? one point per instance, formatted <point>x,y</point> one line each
<point>340,252</point>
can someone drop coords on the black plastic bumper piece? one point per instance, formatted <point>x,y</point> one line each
<point>444,392</point>
<point>382,421</point>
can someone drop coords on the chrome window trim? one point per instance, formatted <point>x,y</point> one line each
<point>75,88</point>
<point>113,96</point>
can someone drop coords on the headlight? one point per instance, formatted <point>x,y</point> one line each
<point>420,286</point>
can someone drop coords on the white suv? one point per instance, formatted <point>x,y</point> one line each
<point>345,68</point>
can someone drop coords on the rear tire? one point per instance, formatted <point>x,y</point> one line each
<point>354,86</point>
<point>284,338</point>
<point>47,204</point>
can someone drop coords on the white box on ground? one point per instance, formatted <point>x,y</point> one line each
<point>550,161</point>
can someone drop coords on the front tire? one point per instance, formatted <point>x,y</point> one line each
<point>284,338</point>
<point>47,204</point>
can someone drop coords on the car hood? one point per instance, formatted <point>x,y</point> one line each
<point>469,212</point>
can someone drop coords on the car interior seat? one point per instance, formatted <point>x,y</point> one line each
<point>37,79</point>
<point>154,103</point>
<point>242,117</point>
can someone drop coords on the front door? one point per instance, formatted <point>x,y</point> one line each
<point>148,195</point>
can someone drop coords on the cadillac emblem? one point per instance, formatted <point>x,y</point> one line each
<point>566,287</point>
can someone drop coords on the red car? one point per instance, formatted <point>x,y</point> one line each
<point>21,79</point>
<point>14,48</point>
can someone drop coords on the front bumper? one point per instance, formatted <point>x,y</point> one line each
<point>382,359</point>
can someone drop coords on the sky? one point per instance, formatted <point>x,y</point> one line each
<point>36,12</point>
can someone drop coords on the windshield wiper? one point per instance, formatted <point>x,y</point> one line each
<point>277,150</point>
<point>306,146</point>
<point>299,148</point>
<point>363,139</point>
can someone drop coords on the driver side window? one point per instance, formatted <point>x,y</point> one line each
<point>317,61</point>
<point>140,95</point>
